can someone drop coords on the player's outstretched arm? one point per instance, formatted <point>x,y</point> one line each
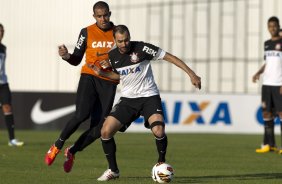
<point>108,74</point>
<point>255,78</point>
<point>195,79</point>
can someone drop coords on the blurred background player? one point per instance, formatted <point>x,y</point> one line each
<point>5,95</point>
<point>95,94</point>
<point>139,94</point>
<point>271,85</point>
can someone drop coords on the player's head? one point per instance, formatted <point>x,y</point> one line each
<point>273,26</point>
<point>102,14</point>
<point>122,38</point>
<point>1,32</point>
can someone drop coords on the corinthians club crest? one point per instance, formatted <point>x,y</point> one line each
<point>134,57</point>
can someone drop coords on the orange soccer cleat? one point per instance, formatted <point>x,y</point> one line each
<point>51,155</point>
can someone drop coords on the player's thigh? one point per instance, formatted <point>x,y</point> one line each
<point>110,127</point>
<point>85,97</point>
<point>152,110</point>
<point>106,92</point>
<point>277,99</point>
<point>5,94</point>
<point>267,99</point>
<point>126,111</point>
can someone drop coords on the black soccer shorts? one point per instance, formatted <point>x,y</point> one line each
<point>5,94</point>
<point>129,109</point>
<point>271,99</point>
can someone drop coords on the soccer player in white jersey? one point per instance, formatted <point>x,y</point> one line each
<point>271,85</point>
<point>139,93</point>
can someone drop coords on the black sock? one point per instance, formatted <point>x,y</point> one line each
<point>9,119</point>
<point>269,133</point>
<point>109,147</point>
<point>60,143</point>
<point>161,147</point>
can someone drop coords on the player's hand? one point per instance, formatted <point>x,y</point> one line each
<point>63,52</point>
<point>101,72</point>
<point>96,69</point>
<point>255,78</point>
<point>196,81</point>
<point>105,64</point>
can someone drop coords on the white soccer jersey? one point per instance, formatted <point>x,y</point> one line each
<point>134,67</point>
<point>273,59</point>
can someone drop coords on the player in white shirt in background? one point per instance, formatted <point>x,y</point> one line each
<point>271,85</point>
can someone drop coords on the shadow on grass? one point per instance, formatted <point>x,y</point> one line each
<point>242,177</point>
<point>223,178</point>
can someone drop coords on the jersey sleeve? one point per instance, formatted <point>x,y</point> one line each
<point>160,55</point>
<point>79,50</point>
<point>153,52</point>
<point>111,60</point>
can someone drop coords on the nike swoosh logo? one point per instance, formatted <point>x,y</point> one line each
<point>101,54</point>
<point>38,116</point>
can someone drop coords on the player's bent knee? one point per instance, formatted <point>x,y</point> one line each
<point>104,133</point>
<point>158,128</point>
<point>6,108</point>
<point>267,115</point>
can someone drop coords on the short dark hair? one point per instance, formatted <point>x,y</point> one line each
<point>101,5</point>
<point>273,19</point>
<point>120,29</point>
<point>1,25</point>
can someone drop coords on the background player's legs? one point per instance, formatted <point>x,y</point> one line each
<point>86,96</point>
<point>86,139</point>
<point>85,99</point>
<point>269,137</point>
<point>9,120</point>
<point>83,141</point>
<point>100,109</point>
<point>106,92</point>
<point>6,99</point>
<point>268,118</point>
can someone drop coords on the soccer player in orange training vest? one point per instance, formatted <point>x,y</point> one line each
<point>95,93</point>
<point>271,85</point>
<point>5,95</point>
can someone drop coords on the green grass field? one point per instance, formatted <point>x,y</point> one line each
<point>196,158</point>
